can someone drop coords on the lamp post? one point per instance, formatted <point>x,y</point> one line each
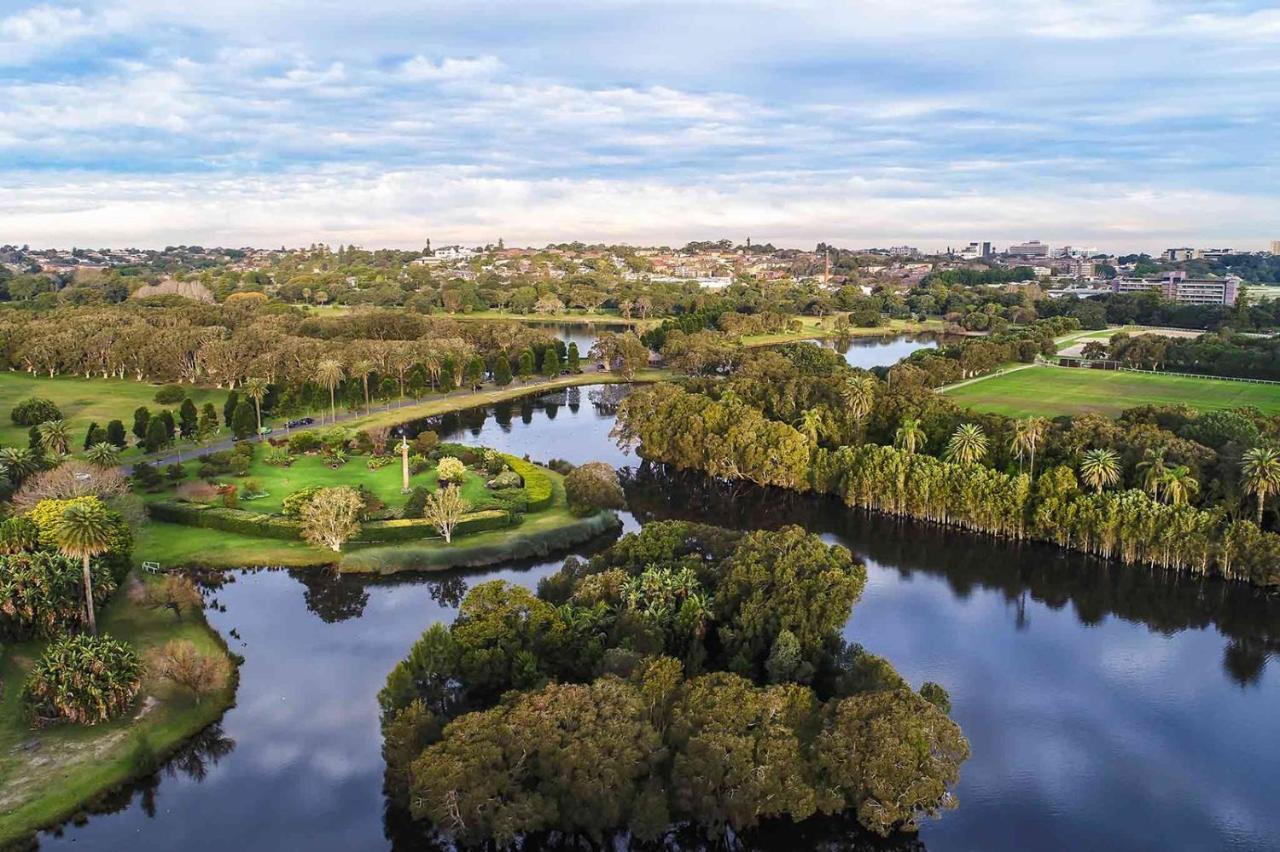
<point>404,462</point>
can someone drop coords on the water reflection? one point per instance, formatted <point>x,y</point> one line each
<point>869,352</point>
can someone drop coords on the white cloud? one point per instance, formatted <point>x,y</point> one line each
<point>420,68</point>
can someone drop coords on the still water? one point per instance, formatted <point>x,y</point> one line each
<point>1107,708</point>
<point>867,352</point>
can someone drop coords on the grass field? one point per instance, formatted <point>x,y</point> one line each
<point>48,775</point>
<point>84,401</point>
<point>1054,391</point>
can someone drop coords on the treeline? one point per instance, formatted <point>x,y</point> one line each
<point>1220,354</point>
<point>730,439</point>
<point>981,277</point>
<point>974,357</point>
<point>686,676</point>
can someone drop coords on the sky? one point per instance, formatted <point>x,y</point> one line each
<point>1125,124</point>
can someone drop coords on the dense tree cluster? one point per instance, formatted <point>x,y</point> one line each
<point>688,674</point>
<point>983,479</point>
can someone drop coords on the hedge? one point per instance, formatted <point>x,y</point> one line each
<point>410,529</point>
<point>226,520</point>
<point>275,526</point>
<point>516,545</point>
<point>536,482</point>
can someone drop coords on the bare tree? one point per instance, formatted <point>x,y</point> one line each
<point>444,509</point>
<point>332,516</point>
<point>180,662</point>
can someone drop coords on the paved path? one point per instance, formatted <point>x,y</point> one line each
<point>464,397</point>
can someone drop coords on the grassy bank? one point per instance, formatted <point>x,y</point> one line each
<point>49,775</point>
<point>1054,391</point>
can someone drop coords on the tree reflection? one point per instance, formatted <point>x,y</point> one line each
<point>201,753</point>
<point>332,596</point>
<point>1164,601</point>
<point>448,592</point>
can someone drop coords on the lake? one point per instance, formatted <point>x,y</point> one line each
<point>1106,707</point>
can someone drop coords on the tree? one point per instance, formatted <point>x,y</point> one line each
<point>116,435</point>
<point>1027,434</point>
<point>593,486</point>
<point>1179,485</point>
<point>858,393</point>
<point>85,531</point>
<point>968,444</point>
<point>1100,468</point>
<point>89,437</point>
<point>332,516</point>
<point>1094,350</point>
<point>242,421</point>
<point>229,406</point>
<point>55,435</point>
<point>83,679</point>
<point>501,371</point>
<point>208,425</point>
<point>443,509</point>
<point>474,374</point>
<point>910,435</point>
<point>525,367</point>
<point>1153,470</point>
<point>550,363</point>
<point>188,419</point>
<point>156,435</point>
<point>329,374</point>
<point>362,367</point>
<point>256,390</point>
<point>574,359</point>
<point>170,425</point>
<point>812,423</point>
<point>103,455</point>
<point>1261,469</point>
<point>198,674</point>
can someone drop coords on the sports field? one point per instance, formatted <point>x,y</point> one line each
<point>1053,391</point>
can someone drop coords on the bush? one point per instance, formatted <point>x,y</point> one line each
<point>181,663</point>
<point>170,395</point>
<point>304,442</point>
<point>291,506</point>
<point>506,479</point>
<point>426,442</point>
<point>592,487</point>
<point>175,472</point>
<point>146,477</point>
<point>83,679</point>
<point>196,492</point>
<point>418,464</point>
<point>42,593</point>
<point>278,457</point>
<point>461,452</point>
<point>417,500</point>
<point>410,529</point>
<point>378,462</point>
<point>34,411</point>
<point>451,470</point>
<point>47,515</point>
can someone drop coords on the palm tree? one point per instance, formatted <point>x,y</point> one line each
<point>1261,469</point>
<point>1179,484</point>
<point>968,444</point>
<point>910,436</point>
<point>812,423</point>
<point>54,436</point>
<point>256,390</point>
<point>84,531</point>
<point>103,455</point>
<point>1027,434</point>
<point>1153,471</point>
<point>858,393</point>
<point>329,373</point>
<point>1100,468</point>
<point>19,461</point>
<point>363,368</point>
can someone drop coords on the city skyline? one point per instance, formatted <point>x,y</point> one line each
<point>137,123</point>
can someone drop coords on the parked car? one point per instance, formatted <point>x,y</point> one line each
<point>303,421</point>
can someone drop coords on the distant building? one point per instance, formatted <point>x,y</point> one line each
<point>1035,248</point>
<point>1177,287</point>
<point>975,251</point>
<point>1177,255</point>
<point>1212,254</point>
<point>1275,247</point>
<point>903,251</point>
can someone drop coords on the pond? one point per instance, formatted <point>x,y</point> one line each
<point>1106,707</point>
<point>868,352</point>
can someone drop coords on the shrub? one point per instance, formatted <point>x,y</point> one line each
<point>230,496</point>
<point>83,679</point>
<point>418,464</point>
<point>146,477</point>
<point>18,534</point>
<point>47,515</point>
<point>451,470</point>
<point>335,438</point>
<point>426,442</point>
<point>304,442</point>
<point>494,463</point>
<point>278,457</point>
<point>337,458</point>
<point>170,394</point>
<point>42,593</point>
<point>253,488</point>
<point>592,487</point>
<point>413,529</point>
<point>461,452</point>
<point>180,662</point>
<point>34,411</point>
<point>196,492</point>
<point>291,506</point>
<point>506,479</point>
<point>413,506</point>
<point>226,520</point>
<point>561,466</point>
<point>175,472</point>
<point>379,462</point>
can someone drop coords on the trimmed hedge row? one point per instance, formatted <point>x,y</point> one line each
<point>226,520</point>
<point>275,526</point>
<point>517,545</point>
<point>409,529</point>
<point>536,482</point>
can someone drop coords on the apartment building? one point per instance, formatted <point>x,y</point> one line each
<point>1177,287</point>
<point>1035,248</point>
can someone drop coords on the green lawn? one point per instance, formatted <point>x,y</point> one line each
<point>1053,391</point>
<point>307,471</point>
<point>84,401</point>
<point>70,764</point>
